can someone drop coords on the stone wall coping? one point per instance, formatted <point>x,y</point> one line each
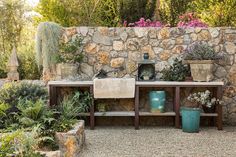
<point>214,83</point>
<point>150,27</point>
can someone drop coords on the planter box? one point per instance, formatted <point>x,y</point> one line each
<point>201,70</point>
<point>66,70</point>
<point>71,142</point>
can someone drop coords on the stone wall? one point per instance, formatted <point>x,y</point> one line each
<point>71,143</point>
<point>118,49</point>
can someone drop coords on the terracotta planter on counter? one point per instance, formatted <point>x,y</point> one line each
<point>201,70</point>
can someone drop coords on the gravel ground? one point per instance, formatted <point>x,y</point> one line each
<point>159,141</point>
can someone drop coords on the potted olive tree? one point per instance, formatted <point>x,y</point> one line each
<point>193,107</point>
<point>68,58</point>
<point>201,58</point>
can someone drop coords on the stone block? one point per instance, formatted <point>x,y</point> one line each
<point>118,45</point>
<point>117,62</point>
<point>204,35</point>
<point>91,48</point>
<point>103,57</point>
<point>165,55</point>
<point>230,48</point>
<point>71,143</point>
<point>101,38</point>
<point>86,69</point>
<point>164,33</point>
<point>140,32</point>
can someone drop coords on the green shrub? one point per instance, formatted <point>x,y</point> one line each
<point>20,144</point>
<point>3,74</point>
<point>11,93</point>
<point>3,108</point>
<point>69,109</point>
<point>170,10</point>
<point>28,68</point>
<point>69,52</point>
<point>216,13</point>
<point>133,10</point>
<point>177,71</point>
<point>31,111</point>
<point>34,113</point>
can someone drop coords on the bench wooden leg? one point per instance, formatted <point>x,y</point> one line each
<point>136,108</point>
<point>177,106</point>
<point>92,117</point>
<point>52,95</point>
<point>219,109</point>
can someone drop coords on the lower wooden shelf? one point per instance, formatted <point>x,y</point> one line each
<point>131,113</point>
<point>157,114</point>
<point>209,114</point>
<point>111,114</point>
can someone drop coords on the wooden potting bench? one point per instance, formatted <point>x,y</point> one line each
<point>177,87</point>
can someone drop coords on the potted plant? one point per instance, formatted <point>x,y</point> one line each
<point>68,58</point>
<point>201,58</point>
<point>146,75</point>
<point>176,72</point>
<point>102,107</point>
<point>192,109</point>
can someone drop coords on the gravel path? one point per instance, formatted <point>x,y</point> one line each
<point>159,141</point>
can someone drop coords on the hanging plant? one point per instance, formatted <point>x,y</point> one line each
<point>47,43</point>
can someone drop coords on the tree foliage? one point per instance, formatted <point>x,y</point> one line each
<point>133,10</point>
<point>216,13</point>
<point>170,10</point>
<point>79,12</point>
<point>11,24</point>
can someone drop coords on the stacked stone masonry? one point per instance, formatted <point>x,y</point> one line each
<point>119,49</point>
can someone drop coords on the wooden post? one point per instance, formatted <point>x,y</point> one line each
<point>136,108</point>
<point>52,95</point>
<point>219,109</point>
<point>92,117</point>
<point>177,106</point>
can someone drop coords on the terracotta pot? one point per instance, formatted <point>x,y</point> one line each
<point>66,70</point>
<point>201,70</point>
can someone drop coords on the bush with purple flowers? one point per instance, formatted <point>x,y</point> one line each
<point>190,20</point>
<point>143,23</point>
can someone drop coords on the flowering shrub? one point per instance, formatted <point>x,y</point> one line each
<point>203,98</point>
<point>143,23</point>
<point>190,20</point>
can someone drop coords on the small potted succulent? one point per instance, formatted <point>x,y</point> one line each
<point>102,107</point>
<point>193,107</point>
<point>68,58</point>
<point>146,75</point>
<point>201,58</point>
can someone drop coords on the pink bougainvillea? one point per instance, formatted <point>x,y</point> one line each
<point>190,20</point>
<point>143,23</point>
